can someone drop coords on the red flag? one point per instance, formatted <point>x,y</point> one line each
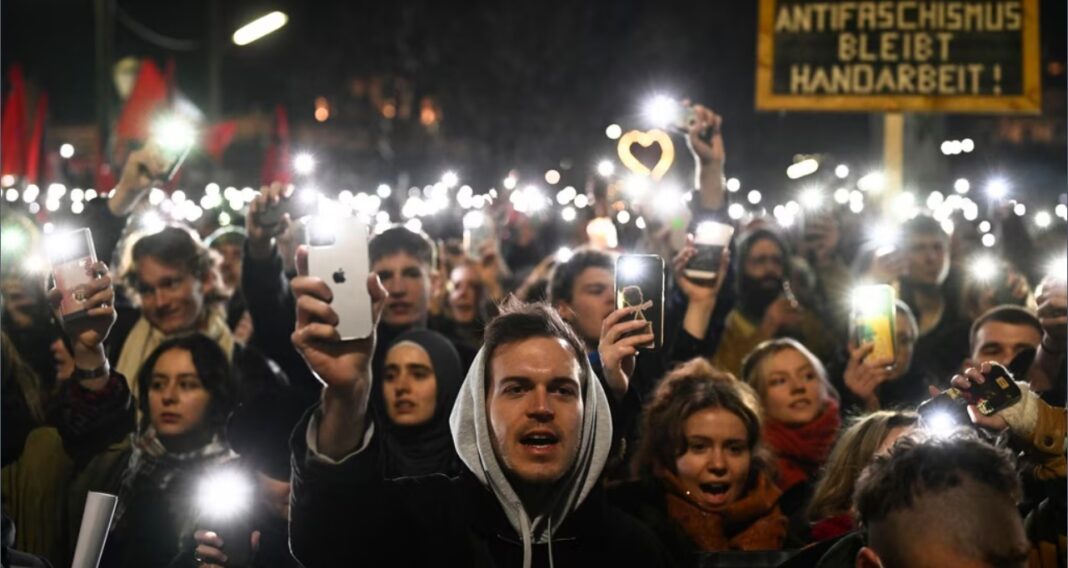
<point>276,163</point>
<point>148,95</point>
<point>217,137</point>
<point>14,127</point>
<point>33,151</point>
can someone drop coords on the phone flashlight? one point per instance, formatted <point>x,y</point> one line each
<point>983,268</point>
<point>941,424</point>
<point>1058,268</point>
<point>224,499</point>
<point>564,254</point>
<point>175,137</point>
<point>322,230</point>
<point>630,268</point>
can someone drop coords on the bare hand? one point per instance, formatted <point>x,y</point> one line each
<point>820,240</point>
<point>887,267</point>
<point>142,168</point>
<point>964,382</point>
<point>209,553</point>
<point>863,377</point>
<point>1053,312</point>
<point>702,292</point>
<point>706,151</point>
<point>341,365</point>
<point>619,353</point>
<point>90,331</point>
<point>781,314</point>
<point>259,236</point>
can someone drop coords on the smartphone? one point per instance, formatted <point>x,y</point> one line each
<point>236,534</point>
<point>296,206</point>
<point>640,279</point>
<point>684,118</point>
<point>478,228</point>
<point>337,253</point>
<point>874,319</point>
<point>709,240</point>
<point>72,254</point>
<point>997,392</point>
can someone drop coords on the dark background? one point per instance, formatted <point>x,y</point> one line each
<point>519,85</point>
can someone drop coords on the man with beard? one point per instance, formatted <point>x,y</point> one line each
<point>763,310</point>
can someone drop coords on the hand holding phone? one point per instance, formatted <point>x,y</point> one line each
<point>874,320</point>
<point>975,397</point>
<point>640,282</point>
<point>338,255</point>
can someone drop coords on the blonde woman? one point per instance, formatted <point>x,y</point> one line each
<point>831,509</point>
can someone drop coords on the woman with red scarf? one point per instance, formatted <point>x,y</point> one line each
<point>801,420</point>
<point>703,481</point>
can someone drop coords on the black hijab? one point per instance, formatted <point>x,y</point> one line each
<point>428,448</point>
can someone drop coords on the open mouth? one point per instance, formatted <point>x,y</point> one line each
<point>169,417</point>
<point>715,489</point>
<point>803,403</point>
<point>404,405</point>
<point>539,440</point>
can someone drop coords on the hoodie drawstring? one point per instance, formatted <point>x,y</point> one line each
<point>524,524</point>
<point>550,527</point>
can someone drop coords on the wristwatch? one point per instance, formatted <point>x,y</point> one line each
<point>86,374</point>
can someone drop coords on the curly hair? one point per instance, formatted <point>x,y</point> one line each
<point>692,387</point>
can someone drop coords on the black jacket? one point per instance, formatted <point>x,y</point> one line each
<point>346,514</point>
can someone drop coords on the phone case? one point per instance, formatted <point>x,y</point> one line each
<point>874,319</point>
<point>998,392</point>
<point>640,278</point>
<point>344,266</point>
<point>71,254</point>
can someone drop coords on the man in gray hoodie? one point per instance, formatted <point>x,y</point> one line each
<point>531,423</point>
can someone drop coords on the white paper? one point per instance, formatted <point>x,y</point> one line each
<point>96,522</point>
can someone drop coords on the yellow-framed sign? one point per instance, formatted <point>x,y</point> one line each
<point>899,55</point>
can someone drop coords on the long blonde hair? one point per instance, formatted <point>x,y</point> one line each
<point>854,450</point>
<point>753,372</point>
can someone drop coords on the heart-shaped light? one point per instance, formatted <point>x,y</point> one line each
<point>645,140</point>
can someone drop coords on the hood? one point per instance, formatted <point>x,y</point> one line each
<point>471,435</point>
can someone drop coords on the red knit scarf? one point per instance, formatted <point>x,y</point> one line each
<point>803,450</point>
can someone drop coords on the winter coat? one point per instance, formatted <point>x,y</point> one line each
<point>343,512</point>
<point>756,528</point>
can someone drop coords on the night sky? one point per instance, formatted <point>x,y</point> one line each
<point>526,85</point>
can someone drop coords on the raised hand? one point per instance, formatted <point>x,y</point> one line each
<point>707,150</point>
<point>974,376</point>
<point>142,168</point>
<point>260,236</point>
<point>619,353</point>
<point>862,377</point>
<point>344,367</point>
<point>341,365</point>
<point>89,332</point>
<point>699,291</point>
<point>781,314</point>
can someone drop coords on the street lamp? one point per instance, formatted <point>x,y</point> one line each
<point>260,27</point>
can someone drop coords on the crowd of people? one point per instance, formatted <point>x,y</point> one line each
<point>505,411</point>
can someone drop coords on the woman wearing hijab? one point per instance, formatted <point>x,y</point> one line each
<point>420,379</point>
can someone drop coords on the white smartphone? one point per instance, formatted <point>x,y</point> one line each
<point>337,253</point>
